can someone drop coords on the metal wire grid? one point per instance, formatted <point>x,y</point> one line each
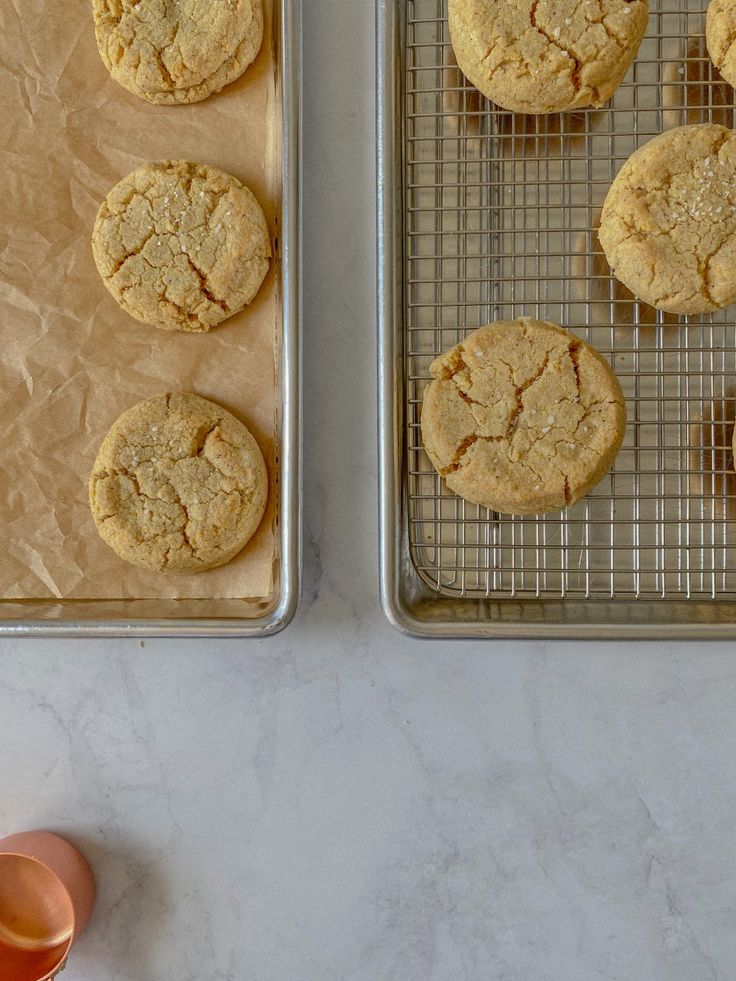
<point>501,214</point>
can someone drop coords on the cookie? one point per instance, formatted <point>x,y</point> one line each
<point>668,224</point>
<point>522,417</point>
<point>177,51</point>
<point>540,56</point>
<point>720,34</point>
<point>179,485</point>
<point>181,246</point>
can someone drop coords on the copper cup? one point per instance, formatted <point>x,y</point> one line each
<point>46,896</point>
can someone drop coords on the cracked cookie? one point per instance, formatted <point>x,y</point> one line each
<point>179,485</point>
<point>541,56</point>
<point>720,35</point>
<point>668,224</point>
<point>522,417</point>
<point>177,51</point>
<point>181,246</point>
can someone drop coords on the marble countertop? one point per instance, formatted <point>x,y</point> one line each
<point>340,803</point>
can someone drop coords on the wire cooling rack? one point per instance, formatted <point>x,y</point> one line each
<point>501,220</point>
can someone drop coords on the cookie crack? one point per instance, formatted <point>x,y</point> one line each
<point>588,413</point>
<point>574,352</point>
<point>513,423</point>
<point>514,419</point>
<point>204,285</point>
<point>131,255</point>
<point>185,315</point>
<point>158,58</point>
<point>704,273</point>
<point>185,529</point>
<point>609,33</point>
<point>575,74</point>
<point>470,401</point>
<point>461,452</point>
<point>719,145</point>
<point>202,441</point>
<point>519,64</point>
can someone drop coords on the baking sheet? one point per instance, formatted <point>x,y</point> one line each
<point>505,179</point>
<point>71,359</point>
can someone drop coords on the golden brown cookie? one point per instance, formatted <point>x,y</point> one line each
<point>177,51</point>
<point>720,35</point>
<point>522,417</point>
<point>181,246</point>
<point>179,485</point>
<point>538,56</point>
<point>668,224</point>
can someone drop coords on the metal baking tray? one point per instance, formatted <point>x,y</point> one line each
<point>483,215</point>
<point>227,618</point>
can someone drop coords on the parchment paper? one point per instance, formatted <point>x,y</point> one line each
<point>72,361</point>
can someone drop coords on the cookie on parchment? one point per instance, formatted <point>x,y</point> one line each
<point>522,417</point>
<point>181,246</point>
<point>179,485</point>
<point>177,51</point>
<point>668,224</point>
<point>541,56</point>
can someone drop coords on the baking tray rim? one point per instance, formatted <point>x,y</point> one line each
<point>289,531</point>
<point>408,604</point>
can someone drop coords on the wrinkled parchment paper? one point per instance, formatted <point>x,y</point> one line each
<point>72,361</point>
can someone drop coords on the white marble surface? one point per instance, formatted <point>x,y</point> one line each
<point>340,803</point>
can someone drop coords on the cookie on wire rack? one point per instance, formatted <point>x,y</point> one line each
<point>544,56</point>
<point>522,417</point>
<point>668,224</point>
